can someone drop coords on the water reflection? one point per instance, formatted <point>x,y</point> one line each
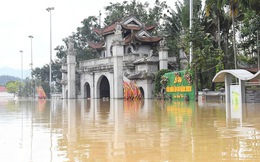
<point>119,130</point>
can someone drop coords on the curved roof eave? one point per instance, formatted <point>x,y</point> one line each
<point>238,73</point>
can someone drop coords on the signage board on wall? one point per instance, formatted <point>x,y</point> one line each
<point>253,94</point>
<point>180,85</point>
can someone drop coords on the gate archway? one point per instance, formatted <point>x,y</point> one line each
<point>142,91</point>
<point>104,87</point>
<point>87,90</point>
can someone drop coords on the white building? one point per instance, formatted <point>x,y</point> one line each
<point>128,51</point>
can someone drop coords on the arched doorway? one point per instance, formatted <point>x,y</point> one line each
<point>87,90</point>
<point>142,91</point>
<point>66,94</point>
<point>104,88</point>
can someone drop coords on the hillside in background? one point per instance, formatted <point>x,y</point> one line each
<point>14,72</point>
<point>6,78</point>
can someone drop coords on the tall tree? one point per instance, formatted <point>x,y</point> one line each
<point>142,11</point>
<point>13,87</point>
<point>214,8</point>
<point>41,76</point>
<point>177,26</point>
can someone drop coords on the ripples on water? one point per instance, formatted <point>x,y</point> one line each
<point>118,130</point>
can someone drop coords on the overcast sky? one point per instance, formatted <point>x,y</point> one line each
<point>21,18</point>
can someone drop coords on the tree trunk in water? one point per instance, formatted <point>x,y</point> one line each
<point>196,84</point>
<point>226,50</point>
<point>218,33</point>
<point>234,40</point>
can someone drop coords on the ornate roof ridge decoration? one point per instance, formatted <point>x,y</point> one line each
<point>136,25</point>
<point>139,32</point>
<point>134,37</point>
<point>150,27</point>
<point>127,27</point>
<point>106,30</point>
<point>129,19</point>
<point>143,33</point>
<point>98,45</point>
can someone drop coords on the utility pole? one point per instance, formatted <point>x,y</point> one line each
<point>49,9</point>
<point>33,86</point>
<point>21,65</point>
<point>191,17</point>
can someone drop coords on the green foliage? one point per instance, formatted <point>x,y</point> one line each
<point>12,87</point>
<point>61,52</point>
<point>248,60</point>
<point>248,37</point>
<point>142,11</point>
<point>206,58</point>
<point>26,89</point>
<point>172,31</point>
<point>41,77</point>
<point>158,85</point>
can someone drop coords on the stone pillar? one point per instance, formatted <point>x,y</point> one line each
<point>118,52</point>
<point>163,55</point>
<point>242,91</point>
<point>63,79</point>
<point>71,64</point>
<point>227,87</point>
<point>227,95</point>
<point>147,87</point>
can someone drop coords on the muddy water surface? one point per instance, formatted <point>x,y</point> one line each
<point>118,130</point>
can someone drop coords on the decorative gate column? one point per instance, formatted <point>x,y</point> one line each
<point>163,55</point>
<point>71,64</point>
<point>118,52</point>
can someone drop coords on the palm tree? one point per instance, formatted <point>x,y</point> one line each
<point>215,8</point>
<point>236,7</point>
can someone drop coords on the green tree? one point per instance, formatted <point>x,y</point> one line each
<point>116,11</point>
<point>176,26</point>
<point>26,89</point>
<point>41,77</point>
<point>248,33</point>
<point>13,87</point>
<point>173,31</point>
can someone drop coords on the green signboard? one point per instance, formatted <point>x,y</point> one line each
<point>180,85</point>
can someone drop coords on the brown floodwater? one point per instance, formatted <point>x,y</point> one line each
<point>118,130</point>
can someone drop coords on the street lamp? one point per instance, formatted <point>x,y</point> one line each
<point>21,65</point>
<point>31,37</point>
<point>20,87</point>
<point>49,10</point>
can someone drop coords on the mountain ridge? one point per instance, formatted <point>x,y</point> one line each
<point>14,72</point>
<point>6,78</point>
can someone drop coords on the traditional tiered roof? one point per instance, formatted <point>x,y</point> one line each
<point>133,29</point>
<point>99,45</point>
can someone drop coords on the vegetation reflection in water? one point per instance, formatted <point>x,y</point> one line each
<point>120,130</point>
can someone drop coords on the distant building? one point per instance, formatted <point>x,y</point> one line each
<point>2,89</point>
